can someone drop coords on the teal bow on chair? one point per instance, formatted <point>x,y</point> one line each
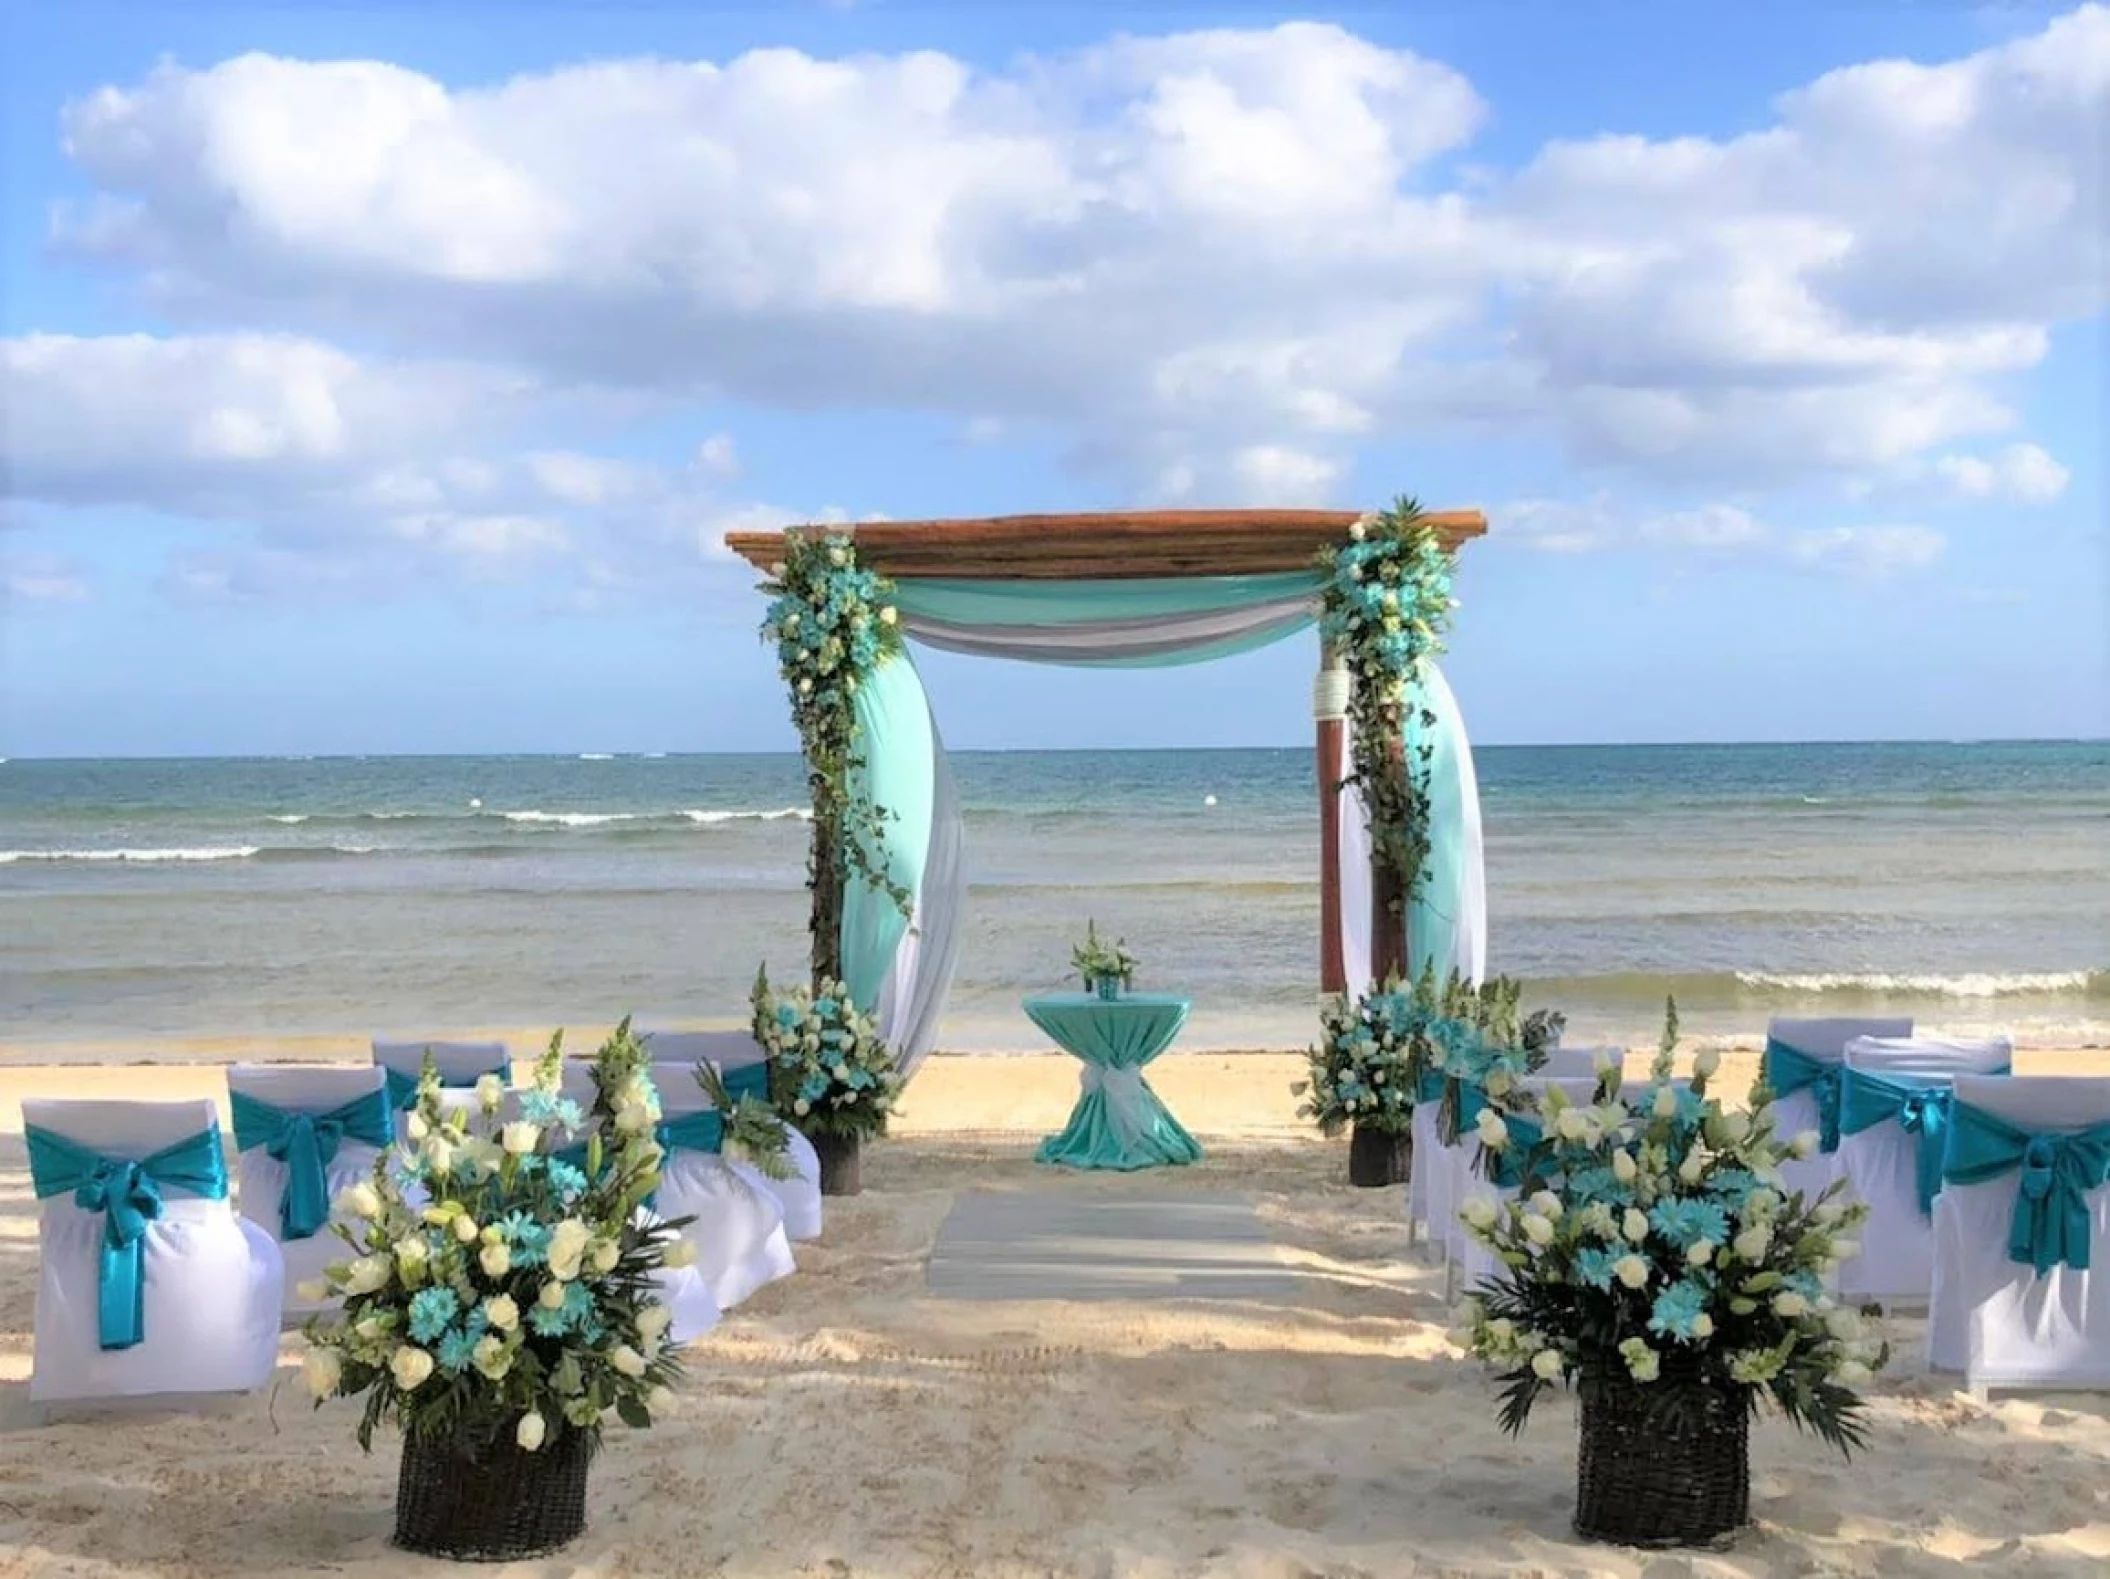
<point>1428,1086</point>
<point>1524,1135</point>
<point>703,1131</point>
<point>1788,1071</point>
<point>1919,1107</point>
<point>2051,1222</point>
<point>403,1089</point>
<point>128,1194</point>
<point>749,1080</point>
<point>307,1143</point>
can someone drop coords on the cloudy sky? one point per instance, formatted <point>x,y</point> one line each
<point>385,378</point>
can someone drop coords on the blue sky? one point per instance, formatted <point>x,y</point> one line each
<point>383,378</point>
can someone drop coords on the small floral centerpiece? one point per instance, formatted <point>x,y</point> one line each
<point>500,1303</point>
<point>1106,968</point>
<point>830,1073</point>
<point>1652,1258</point>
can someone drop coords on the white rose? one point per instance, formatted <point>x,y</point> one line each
<point>634,1119</point>
<point>439,1153</point>
<point>1703,1325</point>
<point>1634,1224</point>
<point>531,1432</point>
<point>801,1107</point>
<point>1623,1166</point>
<point>1666,1102</point>
<point>1737,1126</point>
<point>1573,1124</point>
<point>652,1321</point>
<point>491,1357</point>
<point>1753,1243</point>
<point>312,1290</point>
<point>678,1254</point>
<point>361,1200</point>
<point>520,1137</point>
<point>412,1253</point>
<point>368,1329</point>
<point>1805,1143</point>
<point>1790,1304</point>
<point>1692,1167</point>
<point>323,1370</point>
<point>1547,1204</point>
<point>465,1229</point>
<point>1843,1324</point>
<point>662,1398</point>
<point>1700,1252</point>
<point>1494,1134</point>
<point>1828,1212</point>
<point>1498,1083</point>
<point>1631,1271</point>
<point>1546,1364</point>
<point>1479,1212</point>
<point>410,1366</point>
<point>551,1297</point>
<point>1705,1062</point>
<point>1853,1374</point>
<point>490,1092</point>
<point>496,1260</point>
<point>501,1312</point>
<point>1845,1249</point>
<point>605,1255</point>
<point>1538,1230</point>
<point>567,1243</point>
<point>627,1360</point>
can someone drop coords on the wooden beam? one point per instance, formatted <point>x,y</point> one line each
<point>1119,546</point>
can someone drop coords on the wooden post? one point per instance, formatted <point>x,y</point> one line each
<point>1388,894</point>
<point>824,868</point>
<point>1329,711</point>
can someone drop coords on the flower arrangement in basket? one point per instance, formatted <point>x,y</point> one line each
<point>1652,1258</point>
<point>1377,1056</point>
<point>1106,968</point>
<point>830,1073</point>
<point>500,1303</point>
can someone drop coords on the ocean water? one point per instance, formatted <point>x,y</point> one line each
<point>1966,884</point>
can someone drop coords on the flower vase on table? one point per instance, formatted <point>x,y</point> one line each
<point>1106,969</point>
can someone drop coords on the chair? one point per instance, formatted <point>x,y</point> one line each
<point>1801,1066</point>
<point>1475,1263</point>
<point>738,1230</point>
<point>460,1065</point>
<point>150,1286</point>
<point>304,1135</point>
<point>1894,1096</point>
<point>683,1290</point>
<point>744,1066</point>
<point>2022,1210</point>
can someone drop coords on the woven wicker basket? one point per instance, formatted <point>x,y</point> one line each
<point>1642,1482</point>
<point>842,1164</point>
<point>498,1506</point>
<point>1377,1157</point>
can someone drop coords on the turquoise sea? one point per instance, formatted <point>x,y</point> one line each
<point>1967,884</point>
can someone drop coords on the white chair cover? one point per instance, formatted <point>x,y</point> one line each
<point>1476,1263</point>
<point>460,1064</point>
<point>1881,1165</point>
<point>213,1280</point>
<point>799,1195</point>
<point>1825,1041</point>
<point>260,1179</point>
<point>739,1228</point>
<point>1991,1318</point>
<point>683,1290</point>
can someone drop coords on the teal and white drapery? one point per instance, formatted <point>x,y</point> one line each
<point>899,967</point>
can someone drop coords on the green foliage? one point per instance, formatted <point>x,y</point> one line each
<point>753,1129</point>
<point>1385,607</point>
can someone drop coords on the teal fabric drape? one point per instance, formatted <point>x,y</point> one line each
<point>1118,1121</point>
<point>899,774</point>
<point>128,1194</point>
<point>1111,624</point>
<point>403,1089</point>
<point>2059,1170</point>
<point>1447,921</point>
<point>1788,1071</point>
<point>1917,1105</point>
<point>307,1143</point>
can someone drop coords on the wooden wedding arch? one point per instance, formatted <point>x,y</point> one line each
<point>1150,544</point>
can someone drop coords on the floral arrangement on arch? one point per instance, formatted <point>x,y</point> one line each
<point>833,622</point>
<point>1384,607</point>
<point>1651,1245</point>
<point>831,1075</point>
<point>1377,1054</point>
<point>495,1288</point>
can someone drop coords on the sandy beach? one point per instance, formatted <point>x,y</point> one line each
<point>846,1423</point>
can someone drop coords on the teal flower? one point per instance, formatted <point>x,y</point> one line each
<point>1677,1310</point>
<point>456,1350</point>
<point>1685,1223</point>
<point>431,1312</point>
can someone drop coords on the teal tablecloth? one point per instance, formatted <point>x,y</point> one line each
<point>1118,1121</point>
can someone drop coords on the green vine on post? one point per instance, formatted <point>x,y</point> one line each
<point>833,623</point>
<point>1384,608</point>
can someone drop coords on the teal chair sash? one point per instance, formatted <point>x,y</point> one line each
<point>403,1089</point>
<point>307,1143</point>
<point>1788,1071</point>
<point>1918,1105</point>
<point>1524,1136</point>
<point>1428,1086</point>
<point>703,1131</point>
<point>2058,1171</point>
<point>749,1080</point>
<point>128,1194</point>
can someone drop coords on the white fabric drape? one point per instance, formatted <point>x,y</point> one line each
<point>912,998</point>
<point>1113,641</point>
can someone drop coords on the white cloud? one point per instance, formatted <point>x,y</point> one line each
<point>1217,263</point>
<point>41,578</point>
<point>1717,533</point>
